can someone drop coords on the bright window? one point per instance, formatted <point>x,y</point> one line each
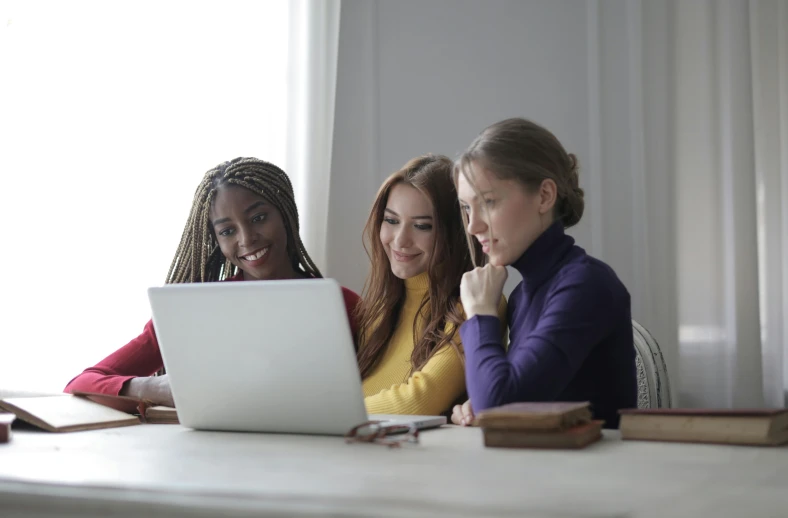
<point>110,113</point>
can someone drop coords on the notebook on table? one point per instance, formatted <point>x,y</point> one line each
<point>85,411</point>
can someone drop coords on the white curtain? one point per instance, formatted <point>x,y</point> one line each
<point>687,185</point>
<point>314,36</point>
<point>769,26</point>
<point>731,119</point>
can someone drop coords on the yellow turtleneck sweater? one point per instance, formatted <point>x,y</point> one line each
<point>392,389</point>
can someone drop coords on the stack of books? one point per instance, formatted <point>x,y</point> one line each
<point>539,425</point>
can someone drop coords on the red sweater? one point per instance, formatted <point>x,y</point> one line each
<point>141,357</point>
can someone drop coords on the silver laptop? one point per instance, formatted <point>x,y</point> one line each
<point>263,356</point>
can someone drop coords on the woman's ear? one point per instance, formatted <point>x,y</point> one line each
<point>548,194</point>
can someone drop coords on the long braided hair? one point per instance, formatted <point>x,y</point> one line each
<point>199,258</point>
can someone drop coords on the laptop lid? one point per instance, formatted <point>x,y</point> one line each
<point>262,356</point>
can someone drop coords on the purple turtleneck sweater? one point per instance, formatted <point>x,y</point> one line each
<point>570,335</point>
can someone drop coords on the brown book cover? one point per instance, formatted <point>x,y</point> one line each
<point>5,427</point>
<point>66,413</point>
<point>757,427</point>
<point>161,415</point>
<point>575,437</point>
<point>535,416</point>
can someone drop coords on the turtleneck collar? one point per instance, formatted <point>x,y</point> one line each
<point>419,283</point>
<point>544,255</point>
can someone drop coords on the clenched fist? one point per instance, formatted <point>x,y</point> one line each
<point>481,290</point>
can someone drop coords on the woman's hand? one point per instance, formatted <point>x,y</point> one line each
<point>462,414</point>
<point>155,389</point>
<point>481,290</point>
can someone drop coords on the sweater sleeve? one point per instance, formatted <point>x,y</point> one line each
<point>140,357</point>
<point>430,391</point>
<point>576,315</point>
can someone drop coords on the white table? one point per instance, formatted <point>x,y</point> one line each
<point>164,470</point>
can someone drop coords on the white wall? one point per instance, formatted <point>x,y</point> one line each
<point>419,76</point>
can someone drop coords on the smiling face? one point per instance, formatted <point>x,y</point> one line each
<point>504,215</point>
<point>407,233</point>
<point>251,234</point>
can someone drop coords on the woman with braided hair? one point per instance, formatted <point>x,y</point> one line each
<point>243,225</point>
<point>570,330</point>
